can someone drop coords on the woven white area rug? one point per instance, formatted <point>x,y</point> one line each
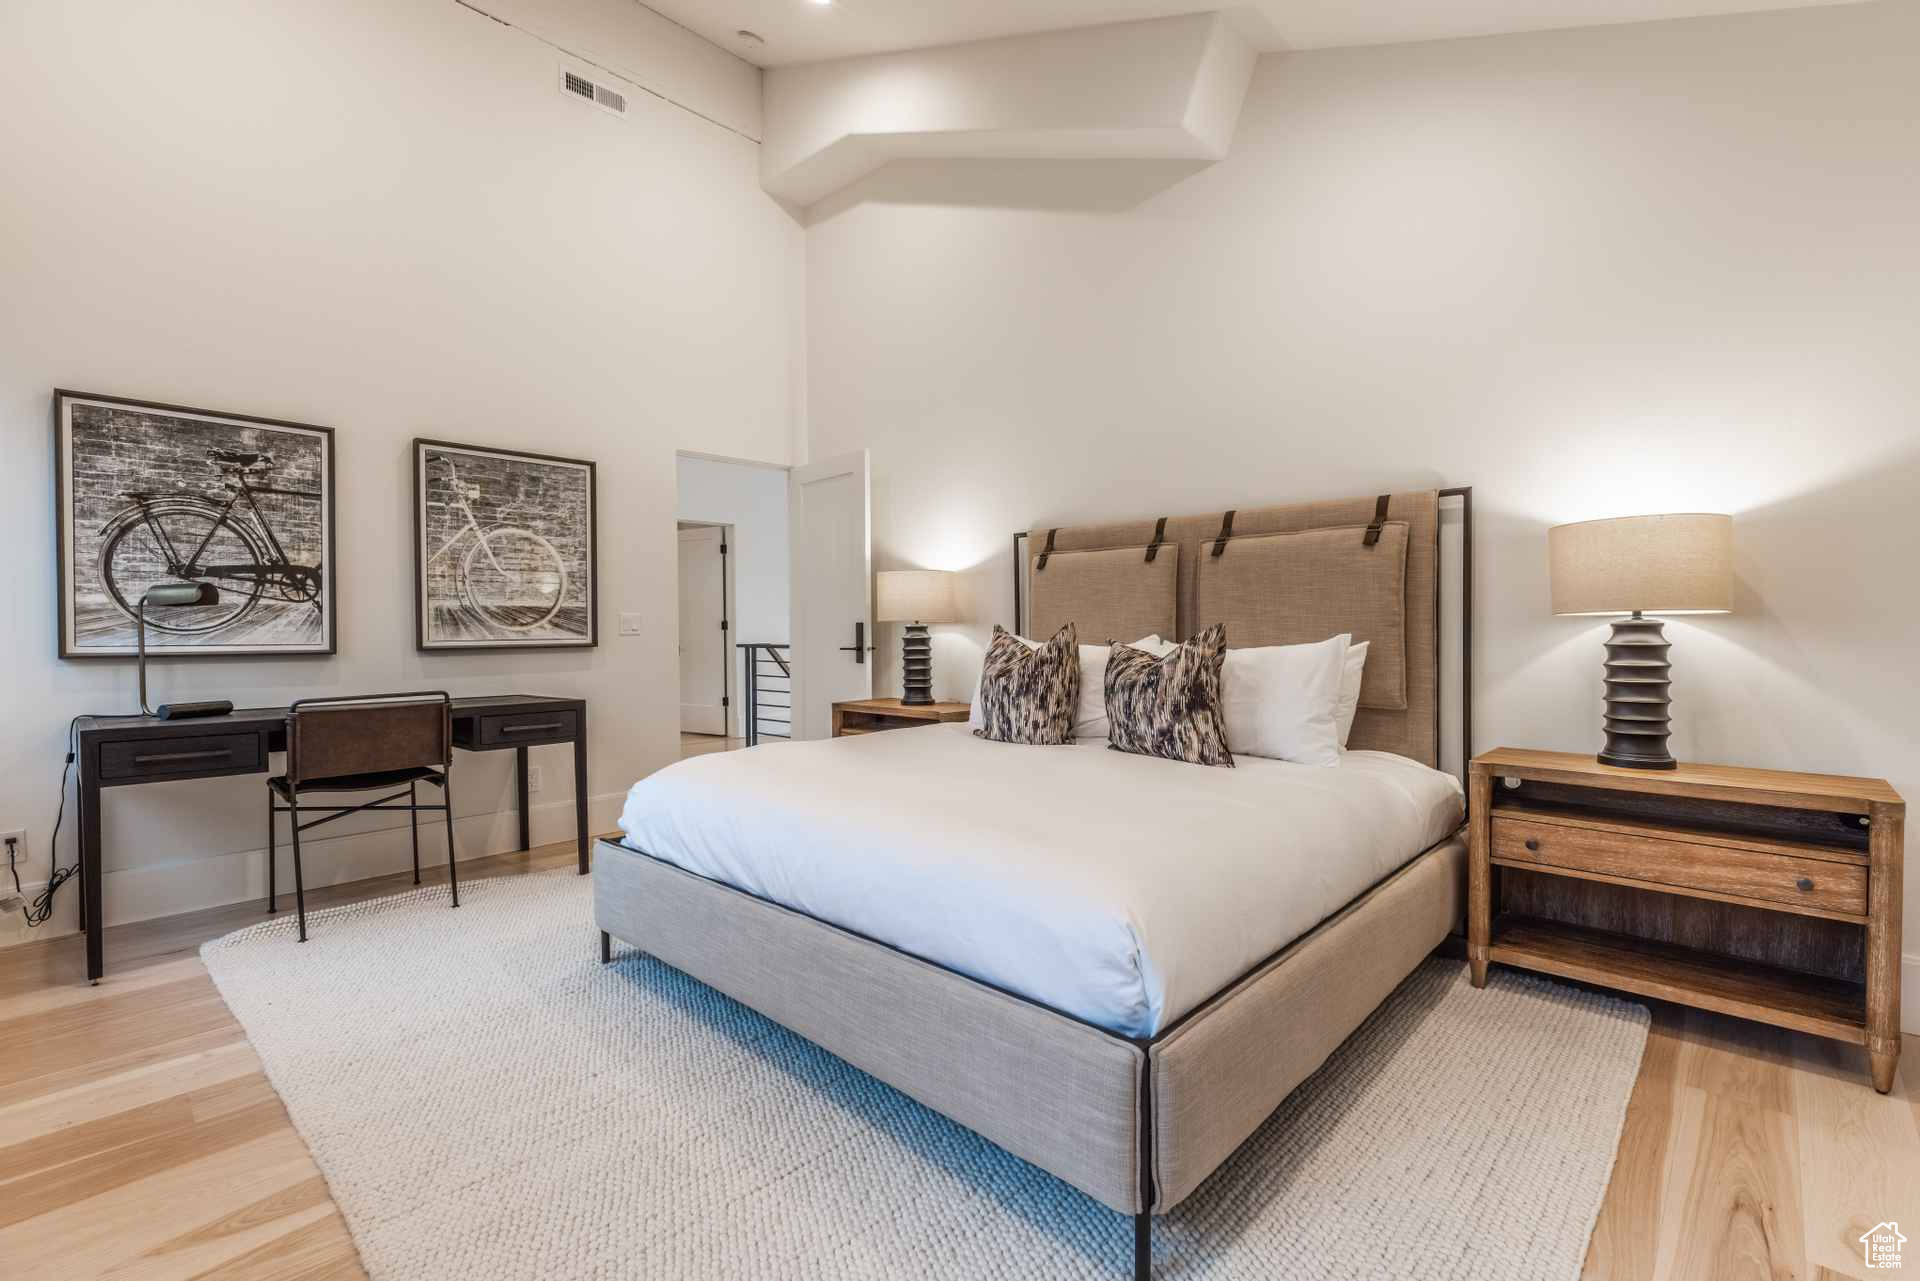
<point>490,1103</point>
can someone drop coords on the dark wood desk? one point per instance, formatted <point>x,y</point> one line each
<point>118,751</point>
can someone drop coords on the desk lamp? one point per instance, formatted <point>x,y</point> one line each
<point>165,596</point>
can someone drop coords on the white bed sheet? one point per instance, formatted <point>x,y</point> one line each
<point>1120,889</point>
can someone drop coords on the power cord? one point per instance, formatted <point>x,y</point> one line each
<point>40,910</point>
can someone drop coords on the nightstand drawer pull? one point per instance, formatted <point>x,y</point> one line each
<point>1533,845</point>
<point>1805,882</point>
<point>542,727</point>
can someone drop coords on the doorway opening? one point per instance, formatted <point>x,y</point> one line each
<point>793,591</point>
<point>706,625</point>
<point>734,603</point>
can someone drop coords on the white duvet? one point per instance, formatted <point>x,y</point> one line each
<point>1123,890</point>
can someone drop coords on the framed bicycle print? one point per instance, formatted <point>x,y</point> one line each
<point>147,494</point>
<point>504,551</point>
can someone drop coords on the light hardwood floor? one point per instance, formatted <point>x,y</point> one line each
<point>701,744</point>
<point>139,1140</point>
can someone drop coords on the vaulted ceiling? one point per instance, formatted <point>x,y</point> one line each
<point>807,31</point>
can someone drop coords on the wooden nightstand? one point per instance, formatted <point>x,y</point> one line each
<point>1769,895</point>
<point>866,715</point>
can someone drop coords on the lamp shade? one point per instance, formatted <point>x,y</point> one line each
<point>914,596</point>
<point>1674,564</point>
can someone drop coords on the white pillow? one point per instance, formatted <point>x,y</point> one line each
<point>1090,717</point>
<point>1350,689</point>
<point>1282,701</point>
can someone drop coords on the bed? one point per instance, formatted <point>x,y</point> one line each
<point>1115,967</point>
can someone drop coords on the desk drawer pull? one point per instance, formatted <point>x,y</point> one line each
<point>1533,845</point>
<point>1805,883</point>
<point>169,758</point>
<point>544,727</point>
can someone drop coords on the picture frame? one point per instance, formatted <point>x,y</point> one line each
<point>147,492</point>
<point>505,549</point>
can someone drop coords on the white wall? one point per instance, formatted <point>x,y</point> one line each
<point>384,217</point>
<point>1589,273</point>
<point>646,48</point>
<point>753,500</point>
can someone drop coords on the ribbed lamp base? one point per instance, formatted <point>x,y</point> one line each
<point>916,664</point>
<point>1638,679</point>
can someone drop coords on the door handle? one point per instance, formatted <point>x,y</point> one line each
<point>859,646</point>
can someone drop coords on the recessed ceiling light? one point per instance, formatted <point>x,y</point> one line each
<point>823,3</point>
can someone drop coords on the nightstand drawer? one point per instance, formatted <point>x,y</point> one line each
<point>1818,884</point>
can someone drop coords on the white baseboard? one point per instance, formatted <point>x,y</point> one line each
<point>143,893</point>
<point>13,927</point>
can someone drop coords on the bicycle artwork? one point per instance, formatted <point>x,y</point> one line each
<point>504,549</point>
<point>159,494</point>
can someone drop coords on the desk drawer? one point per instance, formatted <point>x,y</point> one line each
<point>516,729</point>
<point>197,757</point>
<point>1685,865</point>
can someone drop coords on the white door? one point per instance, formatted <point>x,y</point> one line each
<point>827,507</point>
<point>703,634</point>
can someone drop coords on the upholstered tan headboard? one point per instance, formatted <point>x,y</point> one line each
<point>1275,576</point>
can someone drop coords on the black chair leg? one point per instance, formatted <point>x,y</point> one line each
<point>413,816</point>
<point>273,904</point>
<point>446,799</point>
<point>299,885</point>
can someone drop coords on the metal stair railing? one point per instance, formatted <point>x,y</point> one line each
<point>769,688</point>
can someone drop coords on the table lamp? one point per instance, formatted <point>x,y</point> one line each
<point>174,596</point>
<point>1635,565</point>
<point>915,597</point>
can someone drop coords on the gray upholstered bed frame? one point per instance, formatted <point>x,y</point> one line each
<point>1135,1123</point>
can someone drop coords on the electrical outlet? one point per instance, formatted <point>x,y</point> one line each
<point>533,778</point>
<point>14,845</point>
<point>630,624</point>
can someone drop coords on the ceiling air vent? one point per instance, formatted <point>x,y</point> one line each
<point>575,85</point>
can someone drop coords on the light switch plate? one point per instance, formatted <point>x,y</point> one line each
<point>629,624</point>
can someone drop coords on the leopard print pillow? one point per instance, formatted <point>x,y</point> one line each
<point>1170,707</point>
<point>1030,695</point>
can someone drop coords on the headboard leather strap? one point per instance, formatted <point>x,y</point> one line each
<point>1046,551</point>
<point>1159,536</point>
<point>1226,532</point>
<point>1379,519</point>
